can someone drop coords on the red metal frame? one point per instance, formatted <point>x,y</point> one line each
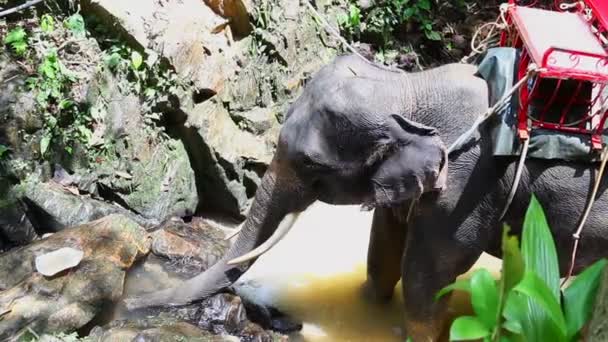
<point>586,70</point>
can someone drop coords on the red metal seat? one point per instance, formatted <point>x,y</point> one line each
<point>572,69</point>
<point>599,18</point>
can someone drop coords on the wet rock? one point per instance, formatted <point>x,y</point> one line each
<point>271,318</point>
<point>72,298</point>
<point>54,207</point>
<point>190,248</point>
<point>226,314</point>
<point>180,250</point>
<point>152,330</point>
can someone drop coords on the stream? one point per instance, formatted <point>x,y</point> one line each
<point>315,272</point>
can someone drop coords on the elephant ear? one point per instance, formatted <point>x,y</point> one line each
<point>414,162</point>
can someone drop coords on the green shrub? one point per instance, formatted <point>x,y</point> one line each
<point>526,303</point>
<point>385,19</point>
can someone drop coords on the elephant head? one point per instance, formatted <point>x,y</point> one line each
<point>337,147</point>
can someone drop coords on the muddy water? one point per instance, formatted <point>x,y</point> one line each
<point>315,273</point>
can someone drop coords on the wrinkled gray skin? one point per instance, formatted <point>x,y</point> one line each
<point>361,134</point>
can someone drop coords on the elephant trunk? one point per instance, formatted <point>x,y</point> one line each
<point>277,203</point>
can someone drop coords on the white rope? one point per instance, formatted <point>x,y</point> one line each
<point>518,173</point>
<point>577,235</point>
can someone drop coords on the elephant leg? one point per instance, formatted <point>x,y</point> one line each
<point>430,262</point>
<point>384,254</point>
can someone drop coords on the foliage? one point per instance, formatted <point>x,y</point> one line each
<point>17,40</point>
<point>387,18</point>
<point>66,122</point>
<point>148,78</point>
<point>525,304</point>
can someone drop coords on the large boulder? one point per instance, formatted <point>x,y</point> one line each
<point>241,85</point>
<point>53,207</point>
<point>73,295</point>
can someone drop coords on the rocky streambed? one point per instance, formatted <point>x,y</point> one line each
<point>129,129</point>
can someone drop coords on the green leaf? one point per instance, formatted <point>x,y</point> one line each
<point>579,297</point>
<point>47,24</point>
<point>75,23</point>
<point>513,326</point>
<point>424,4</point>
<point>467,328</point>
<point>533,287</point>
<point>461,284</point>
<point>136,60</point>
<point>432,35</point>
<point>540,258</point>
<point>65,104</point>
<point>15,35</point>
<point>484,297</point>
<point>44,144</point>
<point>113,60</point>
<point>538,247</point>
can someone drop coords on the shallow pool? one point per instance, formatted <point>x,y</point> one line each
<point>314,275</point>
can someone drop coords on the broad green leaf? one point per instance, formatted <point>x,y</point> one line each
<point>579,297</point>
<point>538,247</point>
<point>484,297</point>
<point>461,284</point>
<point>533,287</point>
<point>467,328</point>
<point>515,312</point>
<point>44,144</point>
<point>540,257</point>
<point>513,326</point>
<point>136,60</point>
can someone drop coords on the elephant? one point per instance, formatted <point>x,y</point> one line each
<point>363,134</point>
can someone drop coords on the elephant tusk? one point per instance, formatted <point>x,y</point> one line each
<point>235,233</point>
<point>284,227</point>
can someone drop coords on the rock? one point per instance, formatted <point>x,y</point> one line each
<point>180,31</point>
<point>15,226</point>
<point>225,314</point>
<point>153,329</point>
<point>180,251</point>
<point>57,261</point>
<point>190,248</point>
<point>54,207</point>
<point>70,299</point>
<point>248,81</point>
<point>149,176</point>
<point>20,120</point>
